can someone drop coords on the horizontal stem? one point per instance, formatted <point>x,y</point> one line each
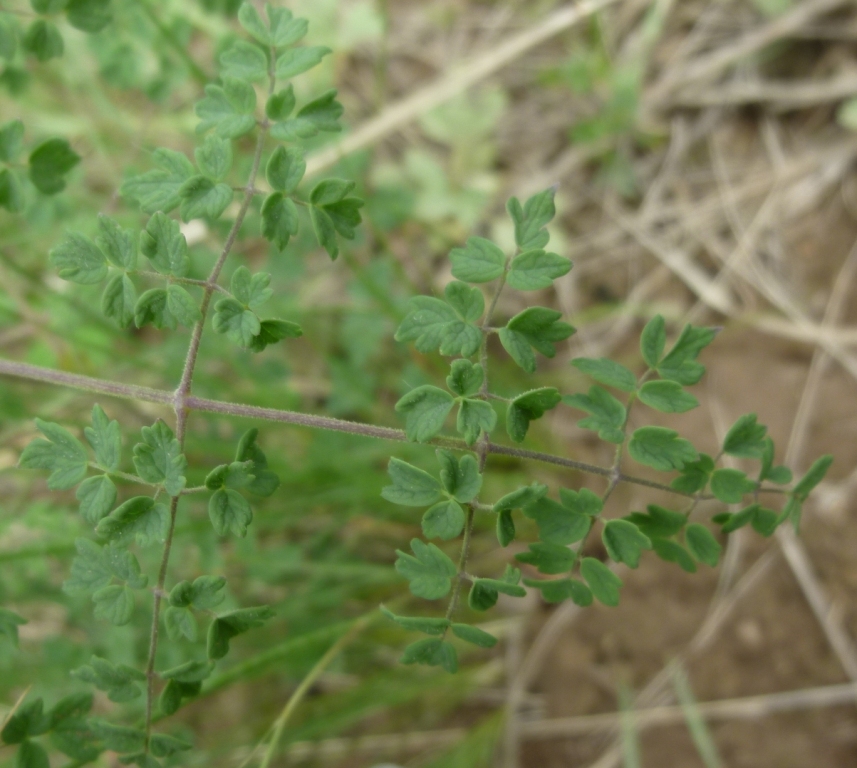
<point>149,395</point>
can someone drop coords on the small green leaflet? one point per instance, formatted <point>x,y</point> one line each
<point>43,40</point>
<point>745,438</point>
<point>333,211</point>
<point>229,109</point>
<point>433,652</point>
<point>474,418</point>
<point>319,115</point>
<point>244,61</point>
<point>114,603</point>
<point>158,190</point>
<point>279,219</point>
<point>265,480</point>
<point>667,397</point>
<point>731,485</point>
<point>653,340</point>
<point>425,409</point>
<point>521,497</point>
<point>118,681</point>
<point>780,475</point>
<point>29,720</point>
<point>237,323</point>
<point>203,594</point>
<point>280,31</point>
<point>465,378</point>
<point>159,458</point>
<point>680,364</point>
<point>537,328</point>
<point>180,623</point>
<point>163,244</point>
<point>182,306</point>
<point>702,544</point>
<point>672,552</point>
<point>229,512</point>
<point>548,558</point>
<point>202,198</point>
<point>96,495</point>
<point>31,754</point>
<point>480,261</point>
<point>9,623</point>
<point>607,372</point>
<point>62,454</point>
<point>533,270</point>
<point>227,626</point>
<point>139,517</point>
<point>531,219</point>
<point>285,169</point>
<point>485,592</point>
<point>119,245</point>
<point>299,60</point>
<point>557,523</point>
<point>624,542</point>
<point>602,581</point>
<point>214,157</point>
<point>434,324</point>
<point>505,527</point>
<point>661,448</point>
<point>250,290</point>
<point>49,163</point>
<point>153,307</point>
<point>694,475</point>
<point>411,487</point>
<point>95,567</point>
<point>606,414</point>
<point>658,522</point>
<point>429,571</point>
<point>79,260</point>
<point>474,635</point>
<point>558,590</point>
<point>584,501</point>
<point>280,104</point>
<point>814,475</point>
<point>445,520</point>
<point>426,625</point>
<point>237,475</point>
<point>460,477</point>
<point>528,407</point>
<point>89,15</point>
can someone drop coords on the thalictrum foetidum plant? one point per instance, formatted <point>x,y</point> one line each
<point>144,276</point>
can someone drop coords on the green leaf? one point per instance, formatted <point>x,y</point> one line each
<point>474,635</point>
<point>602,581</point>
<point>661,448</point>
<point>89,15</point>
<point>62,454</point>
<point>531,219</point>
<point>44,41</point>
<point>672,552</point>
<point>180,623</point>
<point>433,652</point>
<point>202,198</point>
<point>198,671</point>
<point>11,140</point>
<point>324,230</point>
<point>152,307</point>
<point>702,544</point>
<point>73,706</point>
<point>791,512</point>
<point>528,407</point>
<point>114,603</point>
<point>118,244</point>
<point>667,397</point>
<point>279,219</point>
<point>266,481</point>
<point>280,104</point>
<point>474,418</point>
<point>214,157</point>
<point>505,528</point>
<point>321,114</point>
<point>229,513</point>
<point>445,520</point>
<point>469,303</point>
<point>164,745</point>
<point>32,755</point>
<point>814,475</point>
<point>49,162</point>
<point>159,458</point>
<point>9,623</point>
<point>283,30</point>
<point>425,409</point>
<point>79,260</point>
<point>624,542</point>
<point>745,438</point>
<point>521,497</point>
<point>239,324</point>
<point>119,738</point>
<point>299,60</point>
<point>508,585</point>
<point>583,502</point>
<point>694,475</point>
<point>659,522</point>
<point>139,517</point>
<point>535,327</point>
<point>28,720</point>
<point>75,739</point>
<point>680,364</point>
<point>465,378</point>
<point>285,168</point>
<point>118,681</point>
<point>429,626</point>
<point>429,571</point>
<point>95,567</point>
<point>158,190</point>
<point>251,20</point>
<point>548,558</point>
<point>228,109</point>
<point>11,191</point>
<point>163,244</point>
<point>460,477</point>
<point>227,626</point>
<point>653,340</point>
<point>332,211</point>
<point>182,306</point>
<point>96,495</point>
<point>606,414</point>
<point>272,331</point>
<point>480,261</point>
<point>244,61</point>
<point>533,270</point>
<point>730,485</point>
<point>237,475</point>
<point>557,590</point>
<point>203,594</point>
<point>557,523</point>
<point>433,325</point>
<point>765,521</point>
<point>607,372</point>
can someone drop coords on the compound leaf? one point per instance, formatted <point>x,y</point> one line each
<point>62,454</point>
